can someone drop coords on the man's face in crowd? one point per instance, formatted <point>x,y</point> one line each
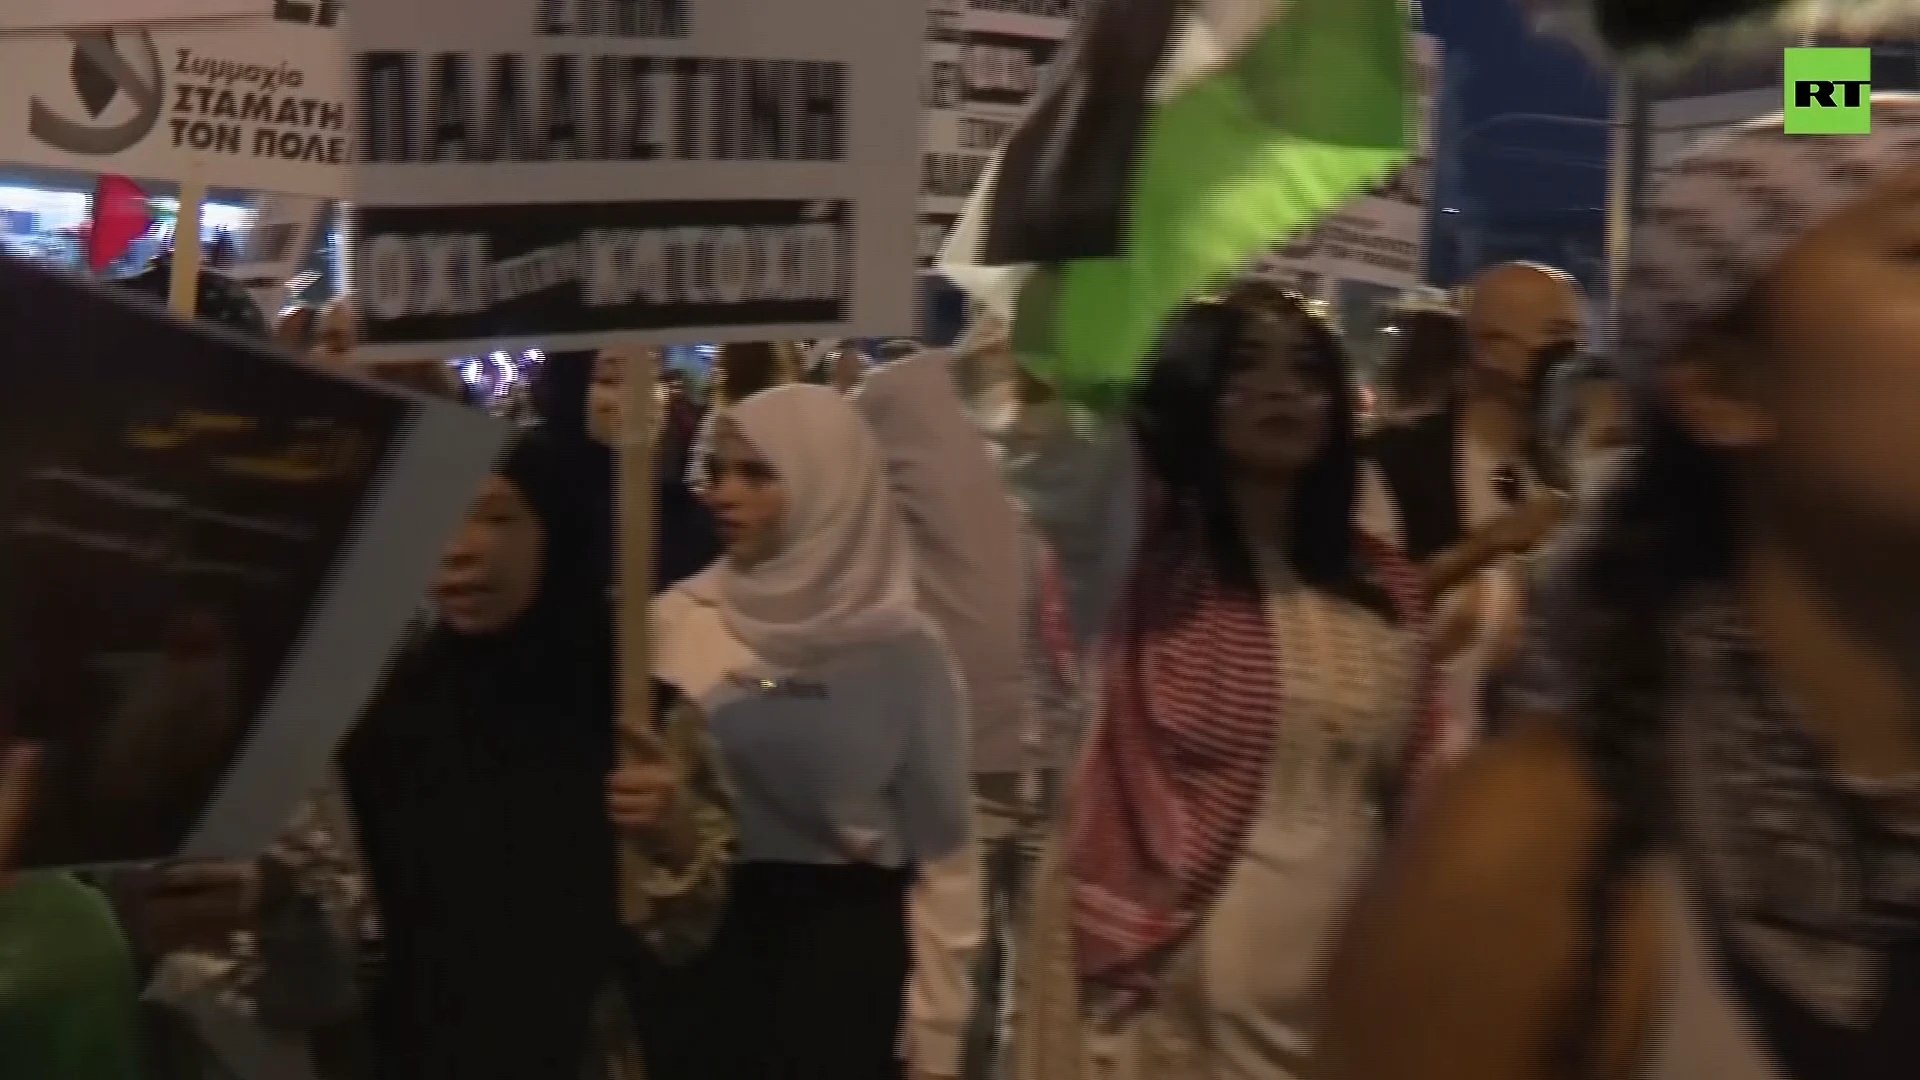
<point>1517,313</point>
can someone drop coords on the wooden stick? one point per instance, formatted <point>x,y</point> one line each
<point>638,501</point>
<point>184,295</point>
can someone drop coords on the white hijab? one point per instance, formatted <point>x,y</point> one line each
<point>845,572</point>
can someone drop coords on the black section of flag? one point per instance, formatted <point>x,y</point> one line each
<point>174,506</point>
<point>1066,177</point>
<point>462,273</point>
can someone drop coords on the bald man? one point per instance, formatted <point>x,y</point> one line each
<point>1455,474</point>
<point>1461,488</point>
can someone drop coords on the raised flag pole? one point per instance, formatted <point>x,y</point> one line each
<point>184,295</point>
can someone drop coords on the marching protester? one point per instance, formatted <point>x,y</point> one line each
<point>1016,813</point>
<point>685,541</point>
<point>478,780</point>
<point>839,364</point>
<point>1465,483</point>
<point>1694,854</point>
<point>744,368</point>
<point>1425,372</point>
<point>1262,703</point>
<point>841,719</point>
<point>971,547</point>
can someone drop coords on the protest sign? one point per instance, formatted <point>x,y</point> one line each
<point>207,553</point>
<point>565,173</point>
<point>260,105</point>
<point>278,242</point>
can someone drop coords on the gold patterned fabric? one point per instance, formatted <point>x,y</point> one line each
<point>673,891</point>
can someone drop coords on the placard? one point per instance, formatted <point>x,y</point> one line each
<point>260,105</point>
<point>207,552</point>
<point>985,60</point>
<point>278,242</point>
<point>1380,237</point>
<point>566,173</point>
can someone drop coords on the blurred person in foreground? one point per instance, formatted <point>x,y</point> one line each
<point>1697,853</point>
<point>68,999</point>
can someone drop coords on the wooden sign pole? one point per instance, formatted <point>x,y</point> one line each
<point>636,502</point>
<point>184,295</point>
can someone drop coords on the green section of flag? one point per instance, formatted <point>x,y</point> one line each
<point>1317,107</point>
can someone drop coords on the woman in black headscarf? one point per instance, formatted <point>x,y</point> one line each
<point>478,779</point>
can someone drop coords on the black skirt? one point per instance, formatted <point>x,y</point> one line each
<point>805,980</point>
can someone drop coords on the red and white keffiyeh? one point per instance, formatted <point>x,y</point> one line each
<point>1177,763</point>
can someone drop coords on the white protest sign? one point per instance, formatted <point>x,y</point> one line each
<point>1380,237</point>
<point>277,245</point>
<point>984,64</point>
<point>565,173</point>
<point>260,105</point>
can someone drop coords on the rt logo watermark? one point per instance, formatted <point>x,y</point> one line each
<point>1829,91</point>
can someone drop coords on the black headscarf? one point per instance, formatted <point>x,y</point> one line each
<point>478,778</point>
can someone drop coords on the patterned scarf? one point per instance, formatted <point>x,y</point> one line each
<point>1791,859</point>
<point>1720,217</point>
<point>1181,750</point>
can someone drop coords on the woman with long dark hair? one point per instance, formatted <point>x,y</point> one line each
<point>1259,673</point>
<point>1698,853</point>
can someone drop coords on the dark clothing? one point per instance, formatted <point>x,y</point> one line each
<point>686,542</point>
<point>806,980</point>
<point>1810,1048</point>
<point>478,781</point>
<point>1420,461</point>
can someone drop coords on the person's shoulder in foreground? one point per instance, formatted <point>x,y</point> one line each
<point>1461,962</point>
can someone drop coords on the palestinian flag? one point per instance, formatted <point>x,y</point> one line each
<point>1178,139</point>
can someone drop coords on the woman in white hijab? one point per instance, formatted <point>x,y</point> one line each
<point>836,706</point>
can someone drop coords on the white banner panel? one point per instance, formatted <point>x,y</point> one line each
<point>565,173</point>
<point>261,105</point>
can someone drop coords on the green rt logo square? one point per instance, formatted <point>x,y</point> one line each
<point>1829,91</point>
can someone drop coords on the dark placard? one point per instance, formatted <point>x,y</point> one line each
<point>175,505</point>
<point>479,273</point>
